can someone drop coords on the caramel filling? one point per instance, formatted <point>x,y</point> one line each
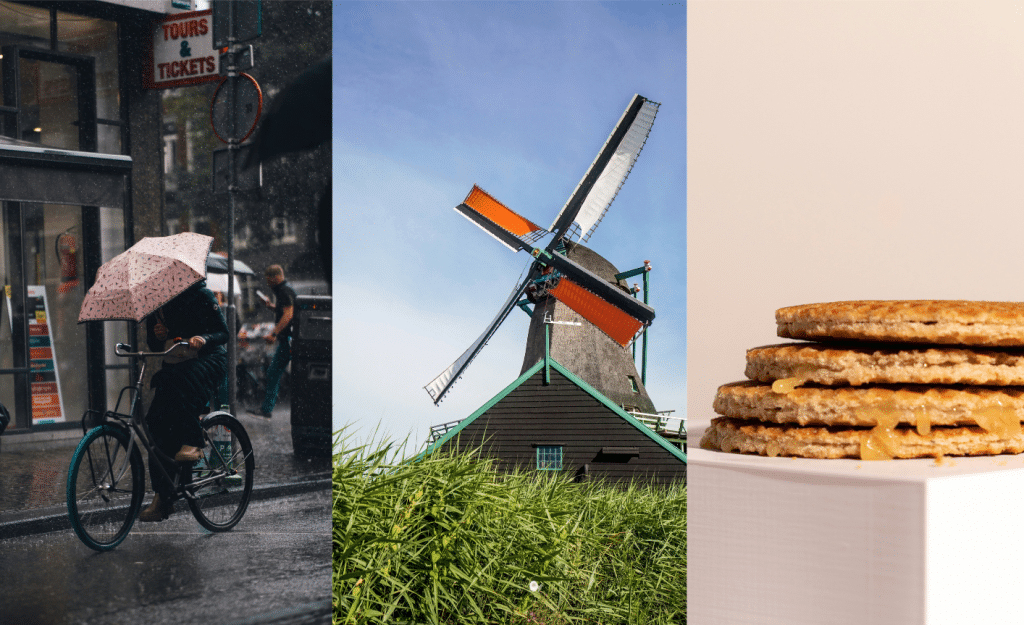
<point>880,442</point>
<point>786,385</point>
<point>999,420</point>
<point>924,420</point>
<point>801,374</point>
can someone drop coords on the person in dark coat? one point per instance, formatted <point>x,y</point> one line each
<point>184,385</point>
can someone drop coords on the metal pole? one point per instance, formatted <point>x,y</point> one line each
<point>232,183</point>
<point>643,371</point>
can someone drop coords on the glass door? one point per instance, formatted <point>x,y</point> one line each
<point>52,368</point>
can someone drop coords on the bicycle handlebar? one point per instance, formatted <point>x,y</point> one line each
<point>121,350</point>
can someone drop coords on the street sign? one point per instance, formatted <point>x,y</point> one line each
<point>247,22</point>
<point>245,179</point>
<point>242,60</point>
<point>181,51</point>
<point>241,104</point>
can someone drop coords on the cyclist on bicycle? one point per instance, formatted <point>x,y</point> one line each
<point>183,385</point>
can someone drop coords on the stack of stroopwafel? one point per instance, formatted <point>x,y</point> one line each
<point>881,379</point>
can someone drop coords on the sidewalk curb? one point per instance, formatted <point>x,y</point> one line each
<point>60,522</point>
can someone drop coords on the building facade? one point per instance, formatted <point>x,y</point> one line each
<point>551,420</point>
<point>81,154</point>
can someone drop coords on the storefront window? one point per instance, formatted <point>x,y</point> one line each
<point>59,88</point>
<point>49,104</point>
<point>112,243</point>
<point>7,345</point>
<point>53,266</point>
<point>49,92</point>
<point>98,39</point>
<point>24,24</point>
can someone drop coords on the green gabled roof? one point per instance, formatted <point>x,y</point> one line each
<point>529,373</point>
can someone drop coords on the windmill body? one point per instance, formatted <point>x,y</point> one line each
<point>584,349</point>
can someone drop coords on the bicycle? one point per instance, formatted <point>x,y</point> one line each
<point>250,372</point>
<point>106,479</point>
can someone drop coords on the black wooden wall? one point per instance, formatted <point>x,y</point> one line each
<point>562,413</point>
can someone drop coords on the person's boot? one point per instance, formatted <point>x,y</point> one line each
<point>157,511</point>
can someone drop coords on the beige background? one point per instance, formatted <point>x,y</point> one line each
<point>846,150</point>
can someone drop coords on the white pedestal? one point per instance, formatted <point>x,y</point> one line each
<point>827,542</point>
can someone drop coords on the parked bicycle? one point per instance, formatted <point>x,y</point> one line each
<point>253,362</point>
<point>107,481</point>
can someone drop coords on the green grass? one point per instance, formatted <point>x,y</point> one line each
<point>446,539</point>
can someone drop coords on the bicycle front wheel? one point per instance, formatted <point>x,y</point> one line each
<point>221,482</point>
<point>105,487</point>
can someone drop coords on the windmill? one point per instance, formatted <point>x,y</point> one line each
<point>604,304</point>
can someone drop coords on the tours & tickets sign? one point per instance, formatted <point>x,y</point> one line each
<point>182,51</point>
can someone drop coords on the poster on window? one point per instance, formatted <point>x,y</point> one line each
<point>47,402</point>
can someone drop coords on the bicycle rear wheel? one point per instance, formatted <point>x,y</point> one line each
<point>222,481</point>
<point>105,487</point>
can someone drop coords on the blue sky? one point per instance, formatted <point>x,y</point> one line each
<point>433,97</point>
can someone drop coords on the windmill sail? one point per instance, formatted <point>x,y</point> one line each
<point>598,287</point>
<point>605,305</point>
<point>510,229</point>
<point>609,319</point>
<point>440,385</point>
<point>599,186</point>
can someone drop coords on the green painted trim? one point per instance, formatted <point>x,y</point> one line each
<point>629,274</point>
<point>643,371</point>
<point>482,409</point>
<point>547,355</point>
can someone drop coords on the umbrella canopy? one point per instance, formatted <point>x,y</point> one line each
<point>219,282</point>
<point>146,276</point>
<point>215,263</point>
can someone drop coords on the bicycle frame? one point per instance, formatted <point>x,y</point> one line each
<point>135,424</point>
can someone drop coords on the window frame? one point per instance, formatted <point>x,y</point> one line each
<point>546,457</point>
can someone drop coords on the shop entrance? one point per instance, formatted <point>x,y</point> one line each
<point>63,214</point>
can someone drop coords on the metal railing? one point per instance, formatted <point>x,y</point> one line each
<point>662,422</point>
<point>437,432</point>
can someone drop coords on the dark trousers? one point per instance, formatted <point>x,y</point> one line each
<point>171,428</point>
<point>182,393</point>
<point>282,356</point>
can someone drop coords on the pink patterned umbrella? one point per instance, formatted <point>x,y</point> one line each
<point>146,276</point>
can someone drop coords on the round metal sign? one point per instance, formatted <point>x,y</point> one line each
<point>241,104</point>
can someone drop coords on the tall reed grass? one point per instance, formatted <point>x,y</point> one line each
<point>447,539</point>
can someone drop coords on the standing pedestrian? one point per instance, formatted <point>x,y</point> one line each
<point>284,310</point>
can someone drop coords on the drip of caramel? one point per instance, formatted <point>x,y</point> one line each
<point>924,420</point>
<point>786,385</point>
<point>1000,420</point>
<point>801,374</point>
<point>880,442</point>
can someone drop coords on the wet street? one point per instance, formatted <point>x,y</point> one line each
<point>274,567</point>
